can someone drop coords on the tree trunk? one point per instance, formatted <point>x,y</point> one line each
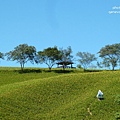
<point>50,69</point>
<point>22,66</point>
<point>113,67</point>
<point>63,66</point>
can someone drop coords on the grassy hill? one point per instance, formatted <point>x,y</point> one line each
<point>59,96</point>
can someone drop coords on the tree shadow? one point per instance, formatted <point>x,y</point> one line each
<point>63,71</point>
<point>92,70</point>
<point>28,71</point>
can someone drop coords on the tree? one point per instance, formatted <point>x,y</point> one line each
<point>86,58</point>
<point>22,54</point>
<point>66,54</point>
<point>49,56</point>
<point>66,57</point>
<point>110,55</point>
<point>1,55</point>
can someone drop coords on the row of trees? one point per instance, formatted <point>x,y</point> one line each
<point>23,53</point>
<point>110,55</point>
<point>50,56</point>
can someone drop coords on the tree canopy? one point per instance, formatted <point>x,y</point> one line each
<point>22,54</point>
<point>110,55</point>
<point>49,56</point>
<point>66,57</point>
<point>66,54</point>
<point>85,58</point>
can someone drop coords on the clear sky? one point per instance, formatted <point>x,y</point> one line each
<point>85,25</point>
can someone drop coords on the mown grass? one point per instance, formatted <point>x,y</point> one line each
<point>59,96</point>
<point>12,75</point>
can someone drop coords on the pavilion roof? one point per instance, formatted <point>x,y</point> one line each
<point>65,62</point>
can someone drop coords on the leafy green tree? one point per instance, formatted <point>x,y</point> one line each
<point>110,55</point>
<point>85,59</point>
<point>65,56</point>
<point>22,54</point>
<point>49,56</point>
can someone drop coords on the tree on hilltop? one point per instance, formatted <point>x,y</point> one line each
<point>85,59</point>
<point>65,57</point>
<point>22,54</point>
<point>49,56</point>
<point>110,55</point>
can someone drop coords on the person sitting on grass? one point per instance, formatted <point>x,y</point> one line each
<point>100,95</point>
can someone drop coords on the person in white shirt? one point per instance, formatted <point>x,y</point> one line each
<point>100,95</point>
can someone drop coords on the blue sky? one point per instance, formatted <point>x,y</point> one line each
<point>85,25</point>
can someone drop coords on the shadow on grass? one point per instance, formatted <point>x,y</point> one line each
<point>92,70</point>
<point>42,70</point>
<point>63,71</point>
<point>28,71</point>
<point>55,71</point>
<point>101,99</point>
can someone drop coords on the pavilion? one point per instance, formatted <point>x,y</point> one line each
<point>64,64</point>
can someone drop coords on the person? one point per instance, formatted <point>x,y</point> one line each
<point>100,95</point>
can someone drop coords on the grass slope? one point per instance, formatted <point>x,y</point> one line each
<point>62,97</point>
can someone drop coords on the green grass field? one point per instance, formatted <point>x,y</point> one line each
<point>42,95</point>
